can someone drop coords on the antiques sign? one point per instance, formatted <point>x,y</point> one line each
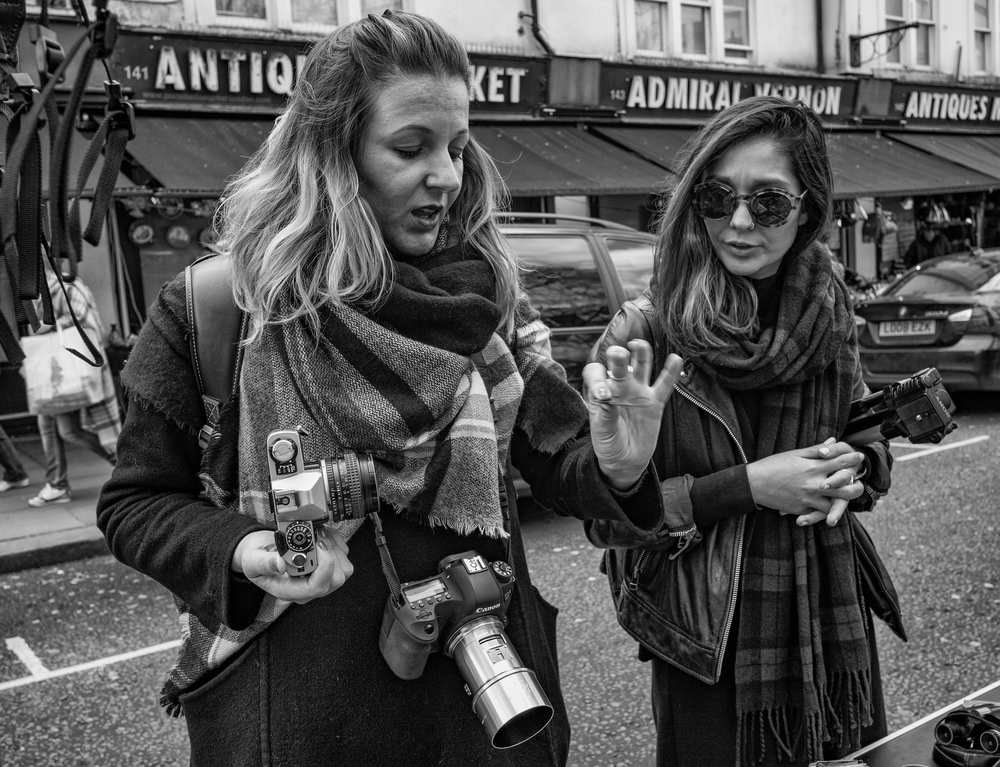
<point>261,73</point>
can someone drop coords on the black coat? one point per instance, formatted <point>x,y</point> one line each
<point>313,689</point>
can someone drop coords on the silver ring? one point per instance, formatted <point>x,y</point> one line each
<point>628,375</point>
<point>854,478</point>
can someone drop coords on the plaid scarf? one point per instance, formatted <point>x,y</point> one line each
<point>397,383</point>
<point>802,660</point>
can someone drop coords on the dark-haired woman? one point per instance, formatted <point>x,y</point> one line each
<point>762,651</point>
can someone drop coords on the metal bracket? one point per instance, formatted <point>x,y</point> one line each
<point>894,35</point>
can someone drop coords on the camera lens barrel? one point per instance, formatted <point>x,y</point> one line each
<point>506,695</point>
<point>352,486</point>
<point>950,732</point>
<point>990,741</point>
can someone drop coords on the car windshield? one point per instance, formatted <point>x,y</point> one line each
<point>950,277</point>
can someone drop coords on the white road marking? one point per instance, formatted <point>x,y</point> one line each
<point>41,674</point>
<point>907,444</point>
<point>25,654</point>
<point>939,448</point>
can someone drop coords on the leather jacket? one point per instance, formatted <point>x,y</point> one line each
<point>675,590</point>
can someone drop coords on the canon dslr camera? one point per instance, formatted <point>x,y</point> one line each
<point>307,494</point>
<point>462,612</point>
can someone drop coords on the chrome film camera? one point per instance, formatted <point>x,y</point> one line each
<point>306,494</point>
<point>462,612</point>
<point>917,408</point>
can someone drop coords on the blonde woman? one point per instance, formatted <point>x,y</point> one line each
<point>383,308</point>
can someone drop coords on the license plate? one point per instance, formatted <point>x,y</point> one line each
<point>907,328</point>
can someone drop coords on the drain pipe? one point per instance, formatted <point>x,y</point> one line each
<point>820,54</point>
<point>536,29</point>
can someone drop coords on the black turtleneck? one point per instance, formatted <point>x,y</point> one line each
<point>727,493</point>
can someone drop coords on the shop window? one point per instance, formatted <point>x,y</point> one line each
<point>694,29</point>
<point>983,44</point>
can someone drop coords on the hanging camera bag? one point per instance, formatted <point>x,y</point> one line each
<point>969,737</point>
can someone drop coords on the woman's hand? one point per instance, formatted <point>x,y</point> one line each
<point>257,558</point>
<point>814,483</point>
<point>625,437</point>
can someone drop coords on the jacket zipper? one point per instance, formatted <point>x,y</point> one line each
<point>737,568</point>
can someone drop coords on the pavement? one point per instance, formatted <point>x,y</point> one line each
<point>60,533</point>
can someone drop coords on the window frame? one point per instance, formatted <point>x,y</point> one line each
<point>278,16</point>
<point>907,49</point>
<point>726,47</point>
<point>665,30</point>
<point>990,34</point>
<point>716,46</point>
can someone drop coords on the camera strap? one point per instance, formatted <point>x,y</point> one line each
<point>388,568</point>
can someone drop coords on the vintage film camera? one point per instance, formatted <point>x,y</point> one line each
<point>917,408</point>
<point>307,494</point>
<point>462,611</point>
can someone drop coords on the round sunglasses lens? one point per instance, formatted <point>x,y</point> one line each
<point>770,208</point>
<point>715,201</point>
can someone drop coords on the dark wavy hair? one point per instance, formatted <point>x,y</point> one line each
<point>701,304</point>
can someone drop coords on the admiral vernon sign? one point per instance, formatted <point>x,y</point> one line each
<point>689,93</point>
<point>248,72</point>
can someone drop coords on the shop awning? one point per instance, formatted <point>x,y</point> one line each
<point>873,165</point>
<point>195,154</point>
<point>865,164</point>
<point>547,160</point>
<point>659,145</point>
<point>981,153</point>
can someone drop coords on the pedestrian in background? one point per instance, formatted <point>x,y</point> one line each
<point>929,243</point>
<point>94,427</point>
<point>762,651</point>
<point>383,305</point>
<point>14,474</point>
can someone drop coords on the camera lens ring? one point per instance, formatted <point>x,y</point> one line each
<point>990,741</point>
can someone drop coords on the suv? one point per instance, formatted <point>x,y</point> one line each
<point>578,272</point>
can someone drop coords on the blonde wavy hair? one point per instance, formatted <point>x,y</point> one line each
<point>701,304</point>
<point>293,221</point>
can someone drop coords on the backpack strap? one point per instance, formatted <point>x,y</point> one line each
<point>217,327</point>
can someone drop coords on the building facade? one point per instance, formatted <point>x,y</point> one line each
<point>584,104</point>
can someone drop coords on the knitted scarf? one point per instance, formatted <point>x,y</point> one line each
<point>802,663</point>
<point>397,383</point>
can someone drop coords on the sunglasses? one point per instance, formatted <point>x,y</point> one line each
<point>768,207</point>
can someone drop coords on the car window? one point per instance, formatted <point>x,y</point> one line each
<point>562,279</point>
<point>633,260</point>
<point>949,277</point>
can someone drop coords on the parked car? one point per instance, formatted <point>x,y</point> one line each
<point>578,272</point>
<point>943,313</point>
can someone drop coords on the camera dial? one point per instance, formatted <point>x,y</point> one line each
<point>299,536</point>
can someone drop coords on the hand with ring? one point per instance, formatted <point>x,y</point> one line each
<point>625,409</point>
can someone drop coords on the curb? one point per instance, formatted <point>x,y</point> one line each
<point>51,549</point>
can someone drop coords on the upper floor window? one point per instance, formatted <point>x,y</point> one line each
<point>699,29</point>
<point>737,28</point>
<point>316,15</point>
<point>918,45</point>
<point>983,29</point>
